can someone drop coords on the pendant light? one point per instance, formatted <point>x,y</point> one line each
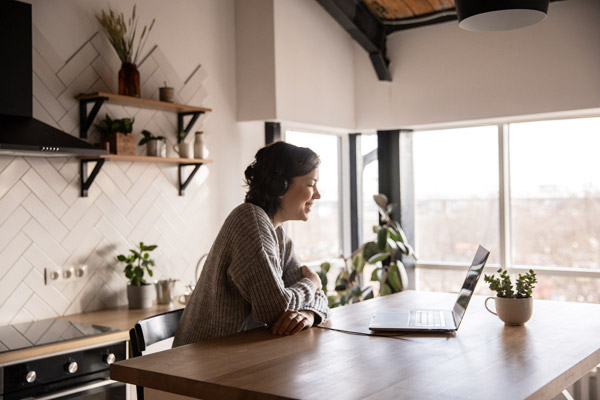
<point>499,15</point>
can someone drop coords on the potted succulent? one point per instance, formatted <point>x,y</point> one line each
<point>139,292</point>
<point>118,134</point>
<point>154,144</point>
<point>514,306</point>
<point>384,253</point>
<point>122,37</point>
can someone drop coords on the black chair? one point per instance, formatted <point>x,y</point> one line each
<point>151,330</point>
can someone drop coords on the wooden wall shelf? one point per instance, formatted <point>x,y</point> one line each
<point>86,181</point>
<point>141,102</point>
<point>119,157</point>
<point>99,98</point>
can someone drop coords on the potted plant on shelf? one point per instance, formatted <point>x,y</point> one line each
<point>118,134</point>
<point>513,307</point>
<point>122,37</point>
<point>139,292</point>
<point>154,144</point>
<point>382,253</point>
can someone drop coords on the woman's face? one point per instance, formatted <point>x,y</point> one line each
<point>296,202</point>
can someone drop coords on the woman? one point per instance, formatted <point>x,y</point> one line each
<point>252,277</point>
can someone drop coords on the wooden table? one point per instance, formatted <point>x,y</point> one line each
<point>483,360</point>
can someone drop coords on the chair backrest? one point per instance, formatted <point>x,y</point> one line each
<point>153,329</point>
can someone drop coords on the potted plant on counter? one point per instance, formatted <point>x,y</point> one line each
<point>118,134</point>
<point>154,144</point>
<point>139,292</point>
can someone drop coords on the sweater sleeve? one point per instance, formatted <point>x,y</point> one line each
<point>256,272</point>
<point>292,273</point>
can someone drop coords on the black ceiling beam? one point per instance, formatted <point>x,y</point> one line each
<point>358,20</point>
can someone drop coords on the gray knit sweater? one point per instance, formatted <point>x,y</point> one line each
<point>251,276</point>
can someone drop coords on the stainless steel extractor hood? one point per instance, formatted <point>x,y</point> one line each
<point>20,133</point>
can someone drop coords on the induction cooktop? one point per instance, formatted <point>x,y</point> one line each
<point>46,331</point>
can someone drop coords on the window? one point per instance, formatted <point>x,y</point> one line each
<point>555,202</point>
<point>550,217</point>
<point>370,186</point>
<point>456,193</point>
<point>319,238</point>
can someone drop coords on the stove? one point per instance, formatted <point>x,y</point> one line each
<point>47,331</point>
<point>81,373</point>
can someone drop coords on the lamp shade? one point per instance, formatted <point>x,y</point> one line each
<point>499,15</point>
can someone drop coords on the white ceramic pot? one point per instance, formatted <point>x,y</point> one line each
<point>140,296</point>
<point>154,148</point>
<point>512,311</point>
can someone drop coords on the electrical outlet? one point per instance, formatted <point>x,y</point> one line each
<point>59,275</point>
<point>81,271</point>
<point>52,275</point>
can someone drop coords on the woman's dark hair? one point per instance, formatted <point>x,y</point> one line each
<point>272,171</point>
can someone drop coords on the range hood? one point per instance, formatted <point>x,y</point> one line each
<point>20,133</point>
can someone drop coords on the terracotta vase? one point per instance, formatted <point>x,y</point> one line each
<point>129,80</point>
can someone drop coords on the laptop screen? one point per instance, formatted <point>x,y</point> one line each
<point>469,285</point>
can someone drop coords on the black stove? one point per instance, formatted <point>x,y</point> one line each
<point>47,331</point>
<point>80,373</point>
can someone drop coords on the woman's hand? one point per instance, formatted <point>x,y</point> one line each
<point>312,275</point>
<point>292,322</point>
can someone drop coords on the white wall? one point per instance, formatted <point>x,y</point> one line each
<point>314,66</point>
<point>255,60</point>
<point>442,74</point>
<point>295,63</point>
<point>43,221</point>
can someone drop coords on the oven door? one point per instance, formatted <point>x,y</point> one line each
<point>100,390</point>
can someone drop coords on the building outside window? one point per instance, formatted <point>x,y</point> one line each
<point>319,238</point>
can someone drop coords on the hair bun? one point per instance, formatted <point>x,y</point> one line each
<point>249,173</point>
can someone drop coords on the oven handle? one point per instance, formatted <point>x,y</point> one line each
<point>77,389</point>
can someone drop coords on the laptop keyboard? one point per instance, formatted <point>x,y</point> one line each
<point>427,318</point>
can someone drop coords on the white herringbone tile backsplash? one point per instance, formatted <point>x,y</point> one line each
<point>44,223</point>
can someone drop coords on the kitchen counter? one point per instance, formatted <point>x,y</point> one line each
<point>120,318</point>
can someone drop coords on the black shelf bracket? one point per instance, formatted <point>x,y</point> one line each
<point>85,119</point>
<point>184,183</point>
<point>86,181</point>
<point>188,127</point>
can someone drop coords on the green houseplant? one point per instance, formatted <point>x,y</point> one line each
<point>514,304</point>
<point>117,135</point>
<point>138,262</point>
<point>383,253</point>
<point>122,37</point>
<point>154,144</point>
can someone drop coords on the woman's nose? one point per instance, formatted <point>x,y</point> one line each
<point>316,194</point>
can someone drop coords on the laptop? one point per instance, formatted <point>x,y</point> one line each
<point>433,320</point>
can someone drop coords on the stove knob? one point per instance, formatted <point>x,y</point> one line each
<point>30,377</point>
<point>109,358</point>
<point>71,367</point>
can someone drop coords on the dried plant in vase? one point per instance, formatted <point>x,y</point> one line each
<point>122,36</point>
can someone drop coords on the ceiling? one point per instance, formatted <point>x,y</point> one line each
<point>370,21</point>
<point>404,14</point>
